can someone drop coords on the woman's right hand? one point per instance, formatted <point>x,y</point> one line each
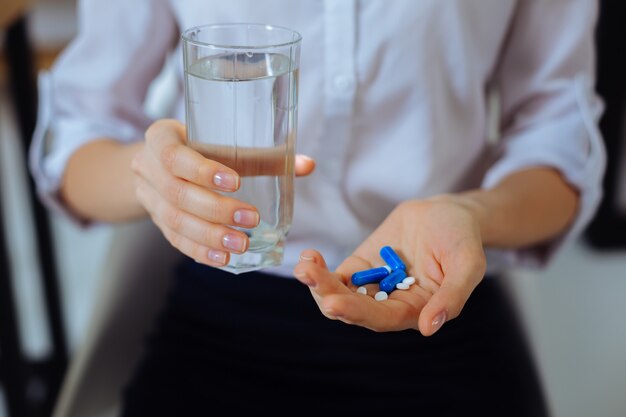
<point>180,189</point>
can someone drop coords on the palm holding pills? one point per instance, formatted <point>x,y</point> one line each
<point>440,243</point>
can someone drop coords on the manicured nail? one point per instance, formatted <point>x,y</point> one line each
<point>306,258</point>
<point>438,321</point>
<point>226,181</point>
<point>234,242</point>
<point>217,256</point>
<point>305,157</point>
<point>246,218</point>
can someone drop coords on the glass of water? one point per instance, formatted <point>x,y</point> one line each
<point>241,96</point>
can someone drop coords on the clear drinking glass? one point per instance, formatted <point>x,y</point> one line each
<point>241,96</point>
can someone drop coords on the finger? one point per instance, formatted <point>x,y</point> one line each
<point>389,315</point>
<point>311,255</point>
<point>167,131</point>
<point>304,165</point>
<point>166,143</point>
<point>430,268</point>
<point>329,291</point>
<point>198,200</point>
<point>320,279</point>
<point>182,161</point>
<point>426,283</point>
<point>415,295</point>
<point>447,302</point>
<point>202,232</point>
<point>199,253</point>
<point>210,235</point>
<point>209,164</point>
<point>313,272</point>
<point>247,161</point>
<point>350,265</point>
<point>370,289</point>
<point>205,204</point>
<point>428,274</point>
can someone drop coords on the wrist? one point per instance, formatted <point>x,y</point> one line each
<point>475,205</point>
<point>526,208</point>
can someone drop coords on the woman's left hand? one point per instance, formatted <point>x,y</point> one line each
<point>438,239</point>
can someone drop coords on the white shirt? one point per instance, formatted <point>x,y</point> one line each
<point>393,100</point>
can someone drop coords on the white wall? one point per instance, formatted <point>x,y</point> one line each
<point>575,312</point>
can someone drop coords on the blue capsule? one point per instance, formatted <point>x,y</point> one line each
<point>388,284</point>
<point>392,258</point>
<point>369,276</point>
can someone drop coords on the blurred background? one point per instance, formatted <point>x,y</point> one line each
<point>574,311</point>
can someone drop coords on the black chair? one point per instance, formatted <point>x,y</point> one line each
<point>31,386</point>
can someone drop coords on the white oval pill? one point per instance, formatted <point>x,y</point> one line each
<point>361,290</point>
<point>402,286</point>
<point>381,296</point>
<point>409,280</point>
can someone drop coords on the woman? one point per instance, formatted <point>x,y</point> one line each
<point>394,114</point>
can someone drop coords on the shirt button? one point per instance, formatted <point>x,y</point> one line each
<point>343,83</point>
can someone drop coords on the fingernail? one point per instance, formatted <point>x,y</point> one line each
<point>217,256</point>
<point>234,242</point>
<point>306,258</point>
<point>246,218</point>
<point>438,321</point>
<point>226,181</point>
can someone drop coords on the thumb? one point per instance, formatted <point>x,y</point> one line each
<point>447,303</point>
<point>304,165</point>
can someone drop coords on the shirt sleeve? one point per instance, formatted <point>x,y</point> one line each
<point>549,109</point>
<point>98,85</point>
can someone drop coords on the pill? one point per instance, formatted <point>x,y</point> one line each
<point>388,284</point>
<point>409,280</point>
<point>361,290</point>
<point>402,286</point>
<point>392,258</point>
<point>380,296</point>
<point>370,276</point>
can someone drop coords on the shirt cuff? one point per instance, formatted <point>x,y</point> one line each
<point>57,137</point>
<point>572,144</point>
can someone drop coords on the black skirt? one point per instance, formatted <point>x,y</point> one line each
<point>258,343</point>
